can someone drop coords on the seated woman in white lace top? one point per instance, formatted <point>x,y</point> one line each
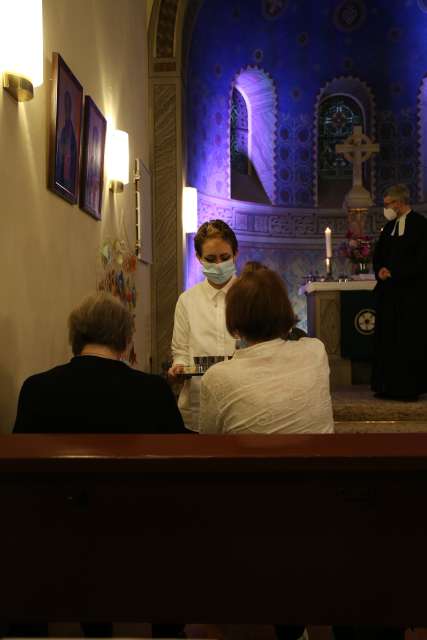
<point>273,385</point>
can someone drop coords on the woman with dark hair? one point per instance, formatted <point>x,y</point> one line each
<point>199,326</point>
<point>274,385</point>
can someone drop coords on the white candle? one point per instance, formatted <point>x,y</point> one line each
<point>328,240</point>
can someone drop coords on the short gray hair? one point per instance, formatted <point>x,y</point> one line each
<point>100,319</point>
<point>399,192</point>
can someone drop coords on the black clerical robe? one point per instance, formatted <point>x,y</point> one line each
<point>400,359</point>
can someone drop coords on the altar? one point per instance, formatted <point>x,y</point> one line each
<point>342,316</point>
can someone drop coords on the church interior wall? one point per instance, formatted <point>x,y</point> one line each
<point>291,241</point>
<point>304,46</point>
<point>50,249</point>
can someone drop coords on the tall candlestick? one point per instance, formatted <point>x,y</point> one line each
<point>328,241</point>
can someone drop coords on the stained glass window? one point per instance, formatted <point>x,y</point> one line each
<point>337,117</point>
<point>239,134</point>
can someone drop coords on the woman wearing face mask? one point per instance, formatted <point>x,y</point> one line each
<point>199,325</point>
<point>400,264</point>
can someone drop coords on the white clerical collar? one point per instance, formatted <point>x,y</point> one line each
<point>400,224</point>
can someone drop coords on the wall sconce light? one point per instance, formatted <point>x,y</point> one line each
<point>21,53</point>
<point>189,210</point>
<point>118,160</point>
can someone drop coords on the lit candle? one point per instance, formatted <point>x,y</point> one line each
<point>328,240</point>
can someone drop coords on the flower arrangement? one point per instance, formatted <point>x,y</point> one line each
<point>358,249</point>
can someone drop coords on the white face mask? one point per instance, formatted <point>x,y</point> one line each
<point>219,273</point>
<point>389,214</point>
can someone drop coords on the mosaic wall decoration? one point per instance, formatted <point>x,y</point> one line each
<point>239,153</point>
<point>295,154</point>
<point>350,15</point>
<point>302,45</point>
<point>372,52</point>
<point>398,157</point>
<point>272,9</point>
<point>117,276</point>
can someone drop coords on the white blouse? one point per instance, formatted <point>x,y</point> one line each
<point>272,387</point>
<point>199,330</point>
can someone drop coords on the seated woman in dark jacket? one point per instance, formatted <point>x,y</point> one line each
<point>96,392</point>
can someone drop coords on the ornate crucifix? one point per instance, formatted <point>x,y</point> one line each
<point>357,148</point>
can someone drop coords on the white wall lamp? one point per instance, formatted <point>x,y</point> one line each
<point>118,160</point>
<point>189,210</point>
<point>21,47</point>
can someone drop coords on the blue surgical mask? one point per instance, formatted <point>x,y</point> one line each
<point>219,273</point>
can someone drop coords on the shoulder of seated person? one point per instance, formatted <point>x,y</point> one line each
<point>45,375</point>
<point>312,344</point>
<point>218,369</point>
<point>144,376</point>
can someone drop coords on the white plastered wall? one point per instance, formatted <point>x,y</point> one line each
<point>48,248</point>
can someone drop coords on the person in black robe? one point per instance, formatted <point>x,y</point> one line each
<point>400,265</point>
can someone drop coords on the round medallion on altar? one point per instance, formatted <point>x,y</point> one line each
<point>364,321</point>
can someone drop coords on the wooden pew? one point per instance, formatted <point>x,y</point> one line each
<point>257,529</point>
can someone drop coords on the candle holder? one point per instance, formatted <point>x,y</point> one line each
<point>329,269</point>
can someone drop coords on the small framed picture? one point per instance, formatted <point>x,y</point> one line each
<point>92,173</point>
<point>66,120</point>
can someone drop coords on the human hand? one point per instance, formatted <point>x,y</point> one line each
<point>176,372</point>
<point>384,273</point>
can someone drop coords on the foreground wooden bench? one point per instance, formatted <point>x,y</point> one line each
<point>293,529</point>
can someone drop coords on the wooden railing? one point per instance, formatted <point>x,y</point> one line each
<point>296,529</point>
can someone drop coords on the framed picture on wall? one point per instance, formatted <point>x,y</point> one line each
<point>92,173</point>
<point>65,129</point>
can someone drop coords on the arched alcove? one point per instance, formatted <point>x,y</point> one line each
<point>259,93</point>
<point>239,135</point>
<point>338,114</point>
<point>355,100</point>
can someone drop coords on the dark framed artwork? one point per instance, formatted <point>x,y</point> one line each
<point>65,131</point>
<point>92,173</point>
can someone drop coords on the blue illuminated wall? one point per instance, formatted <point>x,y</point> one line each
<point>299,48</point>
<point>302,45</point>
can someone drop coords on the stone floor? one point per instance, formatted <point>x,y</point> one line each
<point>356,410</point>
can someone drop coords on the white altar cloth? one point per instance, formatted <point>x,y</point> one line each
<point>334,285</point>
